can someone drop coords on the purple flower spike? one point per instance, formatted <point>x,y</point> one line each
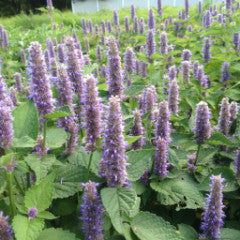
<point>18,82</point>
<point>163,129</point>
<point>226,75</point>
<point>159,4</point>
<point>161,155</point>
<point>13,95</point>
<point>99,53</point>
<point>96,27</point>
<point>115,18</point>
<point>84,26</point>
<point>207,19</point>
<point>104,71</point>
<point>186,55</point>
<point>92,113</point>
<point>6,128</point>
<point>115,79</point>
<point>23,57</point>
<point>171,58</point>
<point>103,26</point>
<point>135,24</point>
<point>6,231</point>
<point>91,211</point>
<point>38,149</point>
<point>191,162</point>
<point>32,212</point>
<point>40,88</point>
<point>53,70</point>
<point>49,45</point>
<point>72,141</point>
<point>137,67</point>
<point>163,43</point>
<point>61,54</point>
<point>190,28</point>
<point>142,25</point>
<point>133,12</point>
<point>206,50</point>
<point>47,59</point>
<point>203,128</point>
<point>49,6</point>
<point>185,71</point>
<point>224,117</point>
<point>113,163</point>
<point>109,26</point>
<point>212,219</point>
<point>90,26</point>
<point>144,178</point>
<point>144,69</point>
<point>186,7</point>
<point>151,19</point>
<point>5,99</point>
<point>5,38</point>
<point>236,39</point>
<point>228,5</point>
<point>237,163</point>
<point>233,111</point>
<point>137,130</point>
<point>129,60</point>
<point>195,69</point>
<point>173,97</point>
<point>126,21</point>
<point>172,73</point>
<point>150,45</point>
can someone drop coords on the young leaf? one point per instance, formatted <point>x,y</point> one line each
<point>64,111</point>
<point>230,234</point>
<point>219,139</point>
<point>24,142</point>
<point>56,137</point>
<point>188,232</point>
<point>56,234</point>
<point>46,215</point>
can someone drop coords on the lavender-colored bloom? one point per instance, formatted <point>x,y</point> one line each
<point>53,70</point>
<point>200,74</point>
<point>236,39</point>
<point>180,13</point>
<point>99,53</point>
<point>92,113</point>
<point>186,55</point>
<point>129,60</point>
<point>113,163</point>
<point>159,4</point>
<point>49,45</point>
<point>47,59</point>
<point>18,82</point>
<point>61,54</point>
<point>165,84</point>
<point>74,35</point>
<point>62,25</point>
<point>162,127</point>
<point>166,23</point>
<point>137,67</point>
<point>226,75</point>
<point>195,69</point>
<point>109,26</point>
<point>148,100</point>
<point>206,50</point>
<point>1,41</point>
<point>96,27</point>
<point>103,25</point>
<point>161,155</point>
<point>163,43</point>
<point>185,71</point>
<point>103,42</point>
<point>173,97</point>
<point>151,19</point>
<point>32,212</point>
<point>87,47</point>
<point>237,163</point>
<point>137,130</point>
<point>144,69</point>
<point>150,46</point>
<point>142,25</point>
<point>63,39</point>
<point>115,80</point>
<point>186,7</point>
<point>207,19</point>
<point>237,5</point>
<point>104,71</point>
<point>86,60</point>
<point>23,56</point>
<point>172,73</point>
<point>144,178</point>
<point>40,88</point>
<point>6,231</point>
<point>90,25</point>
<point>213,215</point>
<point>38,149</point>
<point>203,129</point>
<point>171,58</point>
<point>5,38</point>
<point>228,5</point>
<point>190,28</point>
<point>96,73</point>
<point>72,141</point>
<point>91,211</point>
<point>200,7</point>
<point>135,24</point>
<point>84,26</point>
<point>13,95</point>
<point>191,162</point>
<point>133,12</point>
<point>49,6</point>
<point>115,18</point>
<point>233,111</point>
<point>224,117</point>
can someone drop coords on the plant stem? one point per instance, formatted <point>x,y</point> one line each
<point>44,135</point>
<point>18,185</point>
<point>198,150</point>
<point>89,165</point>
<point>10,192</point>
<point>28,180</point>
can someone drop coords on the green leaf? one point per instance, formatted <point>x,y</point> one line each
<point>188,232</point>
<point>26,121</point>
<point>219,139</point>
<point>139,161</point>
<point>206,154</point>
<point>229,234</point>
<point>148,226</point>
<point>26,229</point>
<point>64,111</point>
<point>181,191</point>
<point>40,196</point>
<point>46,215</point>
<point>24,142</point>
<point>56,137</point>
<point>134,90</point>
<point>6,158</point>
<point>116,200</point>
<point>56,234</point>
<point>131,139</point>
<point>40,165</point>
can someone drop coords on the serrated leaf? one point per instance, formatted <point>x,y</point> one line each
<point>24,142</point>
<point>229,234</point>
<point>116,200</point>
<point>134,90</point>
<point>26,229</point>
<point>40,165</point>
<point>187,232</point>
<point>181,191</point>
<point>64,111</point>
<point>220,139</point>
<point>56,234</point>
<point>40,196</point>
<point>56,137</point>
<point>131,139</point>
<point>46,215</point>
<point>6,158</point>
<point>139,161</point>
<point>26,121</point>
<point>148,226</point>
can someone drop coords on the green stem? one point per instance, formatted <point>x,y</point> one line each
<point>28,180</point>
<point>44,135</point>
<point>10,192</point>
<point>198,150</point>
<point>18,185</point>
<point>89,165</point>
